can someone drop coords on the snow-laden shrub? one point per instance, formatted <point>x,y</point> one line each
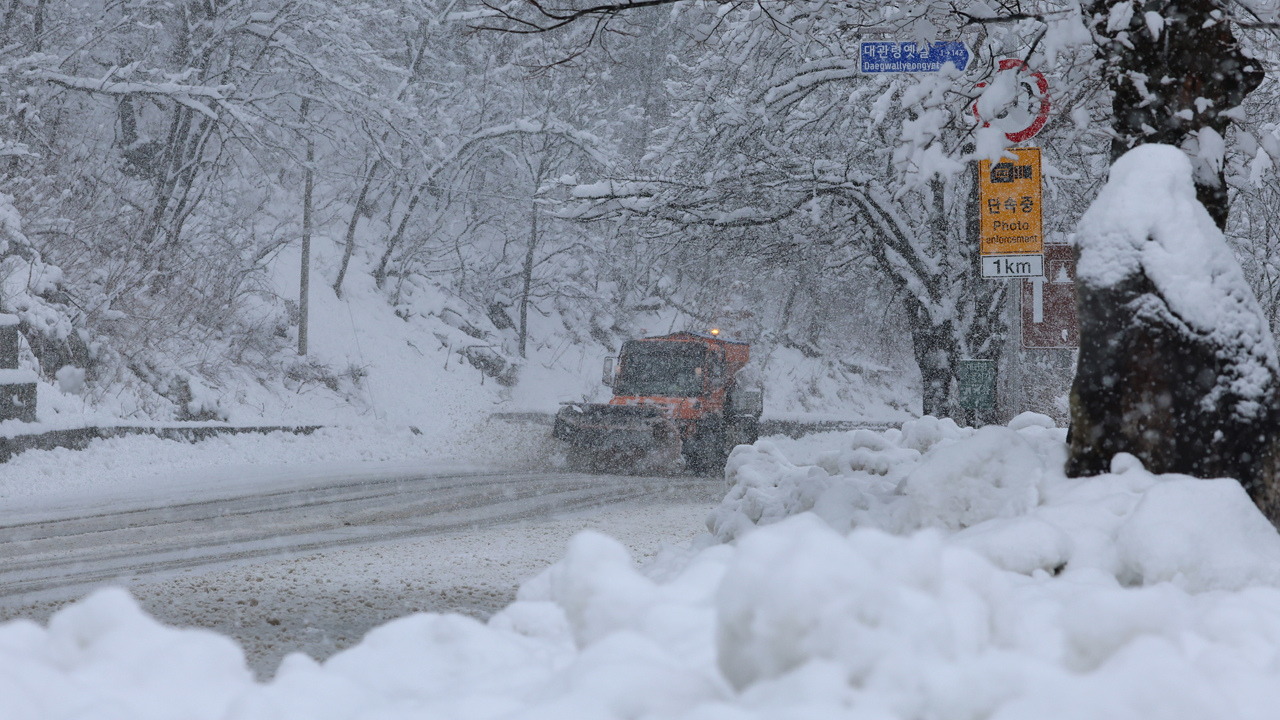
<point>32,289</point>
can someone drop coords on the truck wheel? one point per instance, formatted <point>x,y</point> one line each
<point>746,431</point>
<point>717,457</point>
<point>705,462</point>
<point>705,452</point>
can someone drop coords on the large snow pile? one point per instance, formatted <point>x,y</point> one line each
<point>932,572</point>
<point>1001,492</point>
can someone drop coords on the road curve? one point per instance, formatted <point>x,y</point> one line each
<point>76,548</point>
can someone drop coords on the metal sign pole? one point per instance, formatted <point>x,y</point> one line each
<point>973,229</point>
<point>1009,201</point>
<point>1018,395</point>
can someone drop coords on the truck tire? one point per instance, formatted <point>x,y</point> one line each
<point>743,431</point>
<point>705,453</point>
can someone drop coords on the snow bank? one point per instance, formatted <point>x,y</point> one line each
<point>147,467</point>
<point>935,572</point>
<point>1001,492</point>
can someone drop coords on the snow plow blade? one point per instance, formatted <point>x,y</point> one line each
<point>617,437</point>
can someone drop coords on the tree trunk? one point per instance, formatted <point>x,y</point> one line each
<point>380,274</point>
<point>526,277</point>
<point>37,26</point>
<point>937,356</point>
<point>7,27</point>
<point>1148,382</point>
<point>936,344</point>
<point>1187,388</point>
<point>1170,82</point>
<point>351,227</point>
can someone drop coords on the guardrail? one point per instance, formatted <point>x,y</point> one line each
<point>79,438</point>
<point>790,428</point>
<point>799,428</point>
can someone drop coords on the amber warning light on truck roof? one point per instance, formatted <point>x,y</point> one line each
<point>715,331</point>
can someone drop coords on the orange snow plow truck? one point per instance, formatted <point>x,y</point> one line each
<point>674,395</point>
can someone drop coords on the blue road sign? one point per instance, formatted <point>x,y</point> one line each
<point>891,56</point>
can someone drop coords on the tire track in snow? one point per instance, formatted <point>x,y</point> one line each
<point>84,549</point>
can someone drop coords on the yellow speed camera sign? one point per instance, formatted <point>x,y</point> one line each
<point>1009,199</point>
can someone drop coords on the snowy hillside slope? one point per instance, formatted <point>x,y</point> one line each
<point>413,353</point>
<point>412,362</point>
<point>434,363</point>
<point>934,572</point>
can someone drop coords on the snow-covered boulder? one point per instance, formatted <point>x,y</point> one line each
<point>1177,363</point>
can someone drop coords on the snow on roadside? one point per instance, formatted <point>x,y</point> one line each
<point>145,465</point>
<point>934,571</point>
<point>1001,492</point>
<point>322,603</point>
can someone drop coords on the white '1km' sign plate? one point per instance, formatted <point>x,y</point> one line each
<point>1012,266</point>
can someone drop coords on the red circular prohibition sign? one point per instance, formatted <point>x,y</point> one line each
<point>1042,116</point>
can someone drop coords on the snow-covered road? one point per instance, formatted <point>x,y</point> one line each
<point>79,548</point>
<point>312,565</point>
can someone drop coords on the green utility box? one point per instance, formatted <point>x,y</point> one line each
<point>978,384</point>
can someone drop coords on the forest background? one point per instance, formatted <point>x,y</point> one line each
<point>519,204</point>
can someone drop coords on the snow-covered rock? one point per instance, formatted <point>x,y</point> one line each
<point>1177,363</point>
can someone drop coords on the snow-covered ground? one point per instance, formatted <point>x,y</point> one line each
<point>144,465</point>
<point>932,572</point>
<point>322,603</point>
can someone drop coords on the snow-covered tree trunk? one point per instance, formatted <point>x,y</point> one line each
<point>1177,362</point>
<point>1175,75</point>
<point>936,354</point>
<point>526,278</point>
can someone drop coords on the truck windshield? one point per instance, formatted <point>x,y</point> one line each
<point>662,371</point>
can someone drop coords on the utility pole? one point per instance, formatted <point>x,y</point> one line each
<point>304,284</point>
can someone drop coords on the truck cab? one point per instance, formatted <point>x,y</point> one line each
<point>677,390</point>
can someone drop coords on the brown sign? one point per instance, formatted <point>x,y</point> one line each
<point>1009,200</point>
<point>1049,303</point>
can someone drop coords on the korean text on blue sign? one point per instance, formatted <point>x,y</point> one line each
<point>891,56</point>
